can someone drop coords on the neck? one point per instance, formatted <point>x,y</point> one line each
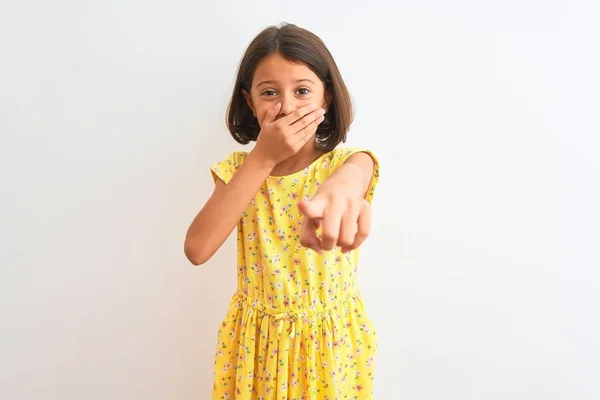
<point>302,159</point>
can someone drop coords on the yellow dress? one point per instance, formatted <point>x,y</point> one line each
<point>296,328</point>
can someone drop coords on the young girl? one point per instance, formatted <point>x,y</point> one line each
<point>296,326</point>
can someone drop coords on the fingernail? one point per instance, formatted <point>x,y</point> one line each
<point>322,112</point>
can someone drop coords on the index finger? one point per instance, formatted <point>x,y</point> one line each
<point>298,114</point>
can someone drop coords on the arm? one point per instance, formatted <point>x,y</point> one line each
<point>221,213</point>
<point>340,207</point>
<point>278,139</point>
<point>352,178</point>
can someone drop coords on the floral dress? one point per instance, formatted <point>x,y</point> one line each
<point>296,328</point>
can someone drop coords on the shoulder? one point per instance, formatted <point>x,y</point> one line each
<point>225,168</point>
<point>357,155</point>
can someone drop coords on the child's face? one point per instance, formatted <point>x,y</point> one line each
<point>277,80</point>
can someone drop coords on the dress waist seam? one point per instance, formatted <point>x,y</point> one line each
<point>256,304</point>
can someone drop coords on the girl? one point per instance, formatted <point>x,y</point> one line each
<point>296,327</point>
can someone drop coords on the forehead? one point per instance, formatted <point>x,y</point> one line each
<point>276,68</point>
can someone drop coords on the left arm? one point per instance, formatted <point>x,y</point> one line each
<point>339,205</point>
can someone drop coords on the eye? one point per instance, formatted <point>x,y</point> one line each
<point>303,91</point>
<point>269,92</point>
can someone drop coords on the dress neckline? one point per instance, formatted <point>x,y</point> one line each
<point>300,171</point>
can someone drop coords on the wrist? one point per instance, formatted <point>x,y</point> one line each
<point>260,160</point>
<point>338,187</point>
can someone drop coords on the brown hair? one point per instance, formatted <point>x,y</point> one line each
<point>297,45</point>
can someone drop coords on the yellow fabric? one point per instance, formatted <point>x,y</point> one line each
<point>296,328</point>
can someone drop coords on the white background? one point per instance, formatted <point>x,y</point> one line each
<point>481,273</point>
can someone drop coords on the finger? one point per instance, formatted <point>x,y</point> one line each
<point>349,226</point>
<point>308,235</point>
<point>309,132</point>
<point>364,226</point>
<point>332,220</point>
<point>298,114</point>
<point>303,125</point>
<point>271,114</point>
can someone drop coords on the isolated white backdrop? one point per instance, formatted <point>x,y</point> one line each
<point>481,273</point>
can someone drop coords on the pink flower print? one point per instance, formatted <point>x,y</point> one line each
<point>281,234</point>
<point>271,191</point>
<point>294,196</point>
<point>359,388</point>
<point>251,236</point>
<point>297,261</point>
<point>276,258</point>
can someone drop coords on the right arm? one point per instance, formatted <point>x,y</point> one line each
<point>224,208</point>
<point>277,140</point>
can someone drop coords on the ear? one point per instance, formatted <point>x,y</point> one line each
<point>249,101</point>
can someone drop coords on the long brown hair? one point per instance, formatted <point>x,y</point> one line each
<point>295,44</point>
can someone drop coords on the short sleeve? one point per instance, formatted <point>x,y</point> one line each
<point>340,156</point>
<point>225,169</point>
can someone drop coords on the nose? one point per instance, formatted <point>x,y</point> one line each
<point>288,104</point>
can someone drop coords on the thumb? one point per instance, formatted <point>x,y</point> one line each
<point>313,209</point>
<point>272,113</point>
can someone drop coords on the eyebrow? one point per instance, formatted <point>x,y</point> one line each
<point>271,82</point>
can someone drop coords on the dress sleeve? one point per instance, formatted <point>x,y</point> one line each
<point>225,169</point>
<point>340,156</point>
